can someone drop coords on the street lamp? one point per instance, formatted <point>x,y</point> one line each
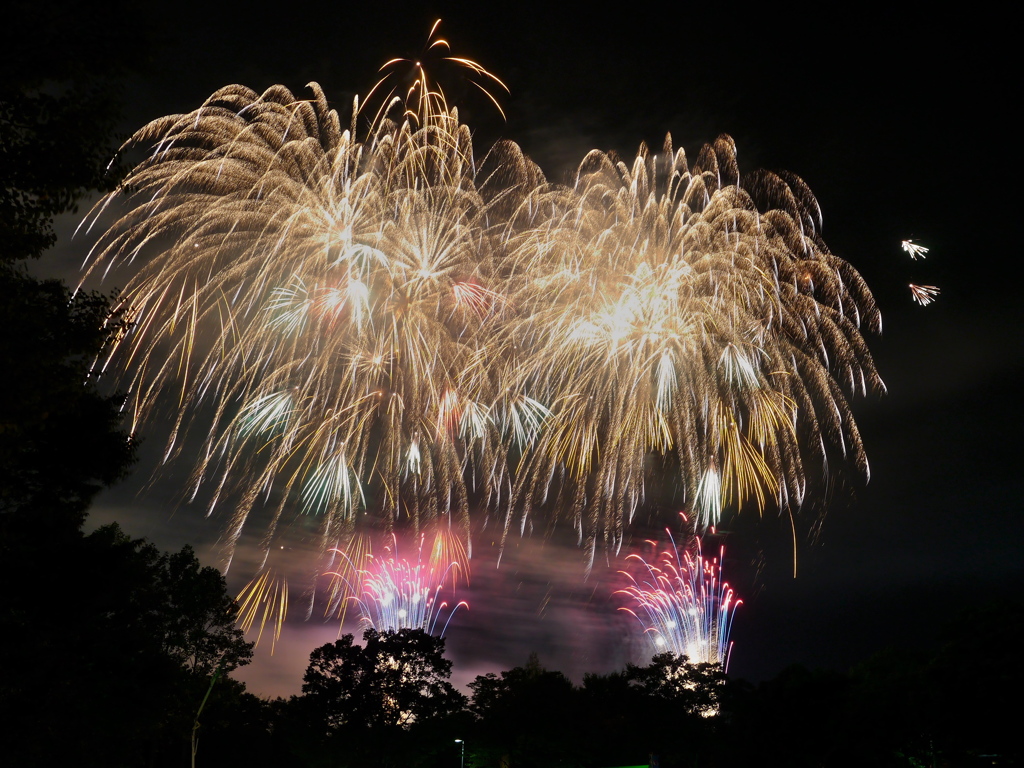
<point>462,755</point>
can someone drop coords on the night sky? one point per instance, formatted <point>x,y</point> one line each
<point>899,124</point>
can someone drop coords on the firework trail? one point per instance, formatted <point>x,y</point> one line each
<point>423,98</point>
<point>369,325</point>
<point>264,600</point>
<point>683,604</point>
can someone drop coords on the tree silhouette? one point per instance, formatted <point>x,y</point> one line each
<point>107,642</point>
<point>59,106</point>
<point>396,679</point>
<point>528,716</point>
<point>387,702</point>
<point>61,440</point>
<point>671,678</point>
<point>107,662</point>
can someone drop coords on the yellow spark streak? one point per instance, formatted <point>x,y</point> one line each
<point>264,598</point>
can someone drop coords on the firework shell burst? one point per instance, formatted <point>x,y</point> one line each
<point>379,325</point>
<point>664,315</point>
<point>330,298</point>
<point>923,294</point>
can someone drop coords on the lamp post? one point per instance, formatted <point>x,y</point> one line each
<point>462,754</point>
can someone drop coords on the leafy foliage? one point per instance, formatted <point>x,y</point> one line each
<point>527,715</point>
<point>395,679</point>
<point>60,439</point>
<point>387,702</point>
<point>530,716</point>
<point>55,148</point>
<point>694,688</point>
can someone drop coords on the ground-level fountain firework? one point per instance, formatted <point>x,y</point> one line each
<point>363,319</point>
<point>393,592</point>
<point>682,602</point>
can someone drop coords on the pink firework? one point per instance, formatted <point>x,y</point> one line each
<point>396,593</point>
<point>682,602</point>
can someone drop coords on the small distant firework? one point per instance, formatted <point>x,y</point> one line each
<point>915,250</point>
<point>682,603</point>
<point>398,594</point>
<point>924,294</point>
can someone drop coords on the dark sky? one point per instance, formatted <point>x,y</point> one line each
<point>900,124</point>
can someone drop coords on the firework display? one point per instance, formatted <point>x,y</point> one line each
<point>682,603</point>
<point>327,297</point>
<point>362,320</point>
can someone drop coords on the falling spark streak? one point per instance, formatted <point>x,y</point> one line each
<point>376,323</point>
<point>682,603</point>
<point>264,598</point>
<point>914,249</point>
<point>923,294</point>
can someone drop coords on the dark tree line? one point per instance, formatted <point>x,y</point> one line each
<point>389,703</point>
<point>107,645</point>
<point>530,716</point>
<point>945,704</point>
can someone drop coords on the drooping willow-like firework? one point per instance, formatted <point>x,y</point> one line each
<point>664,318</point>
<point>330,299</point>
<point>377,325</point>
